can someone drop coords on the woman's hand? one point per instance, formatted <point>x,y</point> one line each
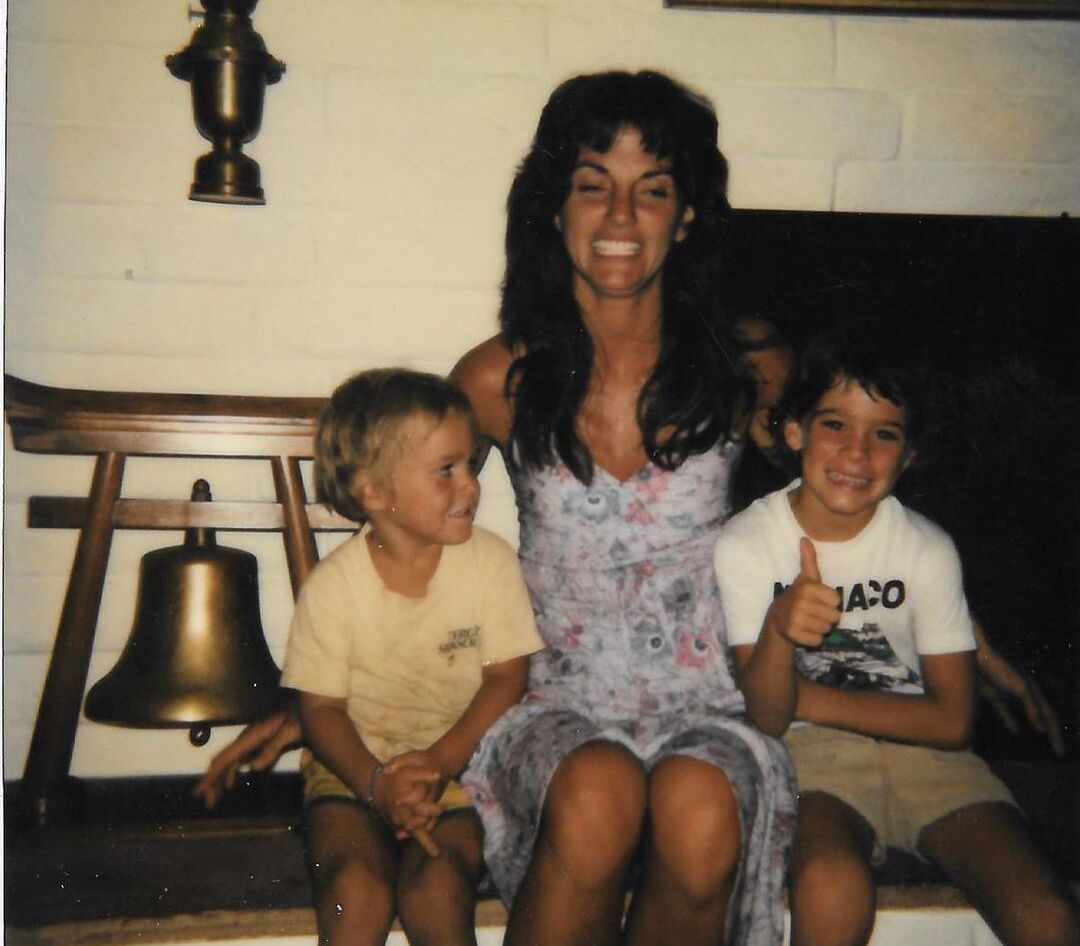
<point>1002,685</point>
<point>258,747</point>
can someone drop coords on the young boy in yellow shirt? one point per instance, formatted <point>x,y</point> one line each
<point>408,641</point>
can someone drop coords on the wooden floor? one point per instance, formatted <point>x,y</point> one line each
<point>145,848</point>
<point>144,864</point>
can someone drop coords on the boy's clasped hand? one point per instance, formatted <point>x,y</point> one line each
<point>405,793</point>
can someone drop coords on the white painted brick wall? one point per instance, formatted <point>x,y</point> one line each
<point>820,123</point>
<point>940,55</point>
<point>387,151</point>
<point>1032,129</point>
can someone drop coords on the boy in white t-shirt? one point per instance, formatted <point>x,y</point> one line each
<point>407,643</point>
<point>846,611</point>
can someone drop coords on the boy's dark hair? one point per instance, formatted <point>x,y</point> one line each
<point>361,426</point>
<point>698,379</point>
<point>868,353</point>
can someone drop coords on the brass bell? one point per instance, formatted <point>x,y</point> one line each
<point>196,656</point>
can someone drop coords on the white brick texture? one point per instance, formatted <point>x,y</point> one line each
<point>973,55</point>
<point>1009,129</point>
<point>831,124</point>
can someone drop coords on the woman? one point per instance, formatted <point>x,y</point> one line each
<point>615,398</point>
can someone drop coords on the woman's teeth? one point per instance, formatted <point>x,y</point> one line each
<point>615,247</point>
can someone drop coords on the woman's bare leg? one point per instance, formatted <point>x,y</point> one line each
<point>353,861</point>
<point>692,856</point>
<point>833,895</point>
<point>437,895</point>
<point>591,826</point>
<point>988,853</point>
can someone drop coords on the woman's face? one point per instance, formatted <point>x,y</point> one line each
<point>620,219</point>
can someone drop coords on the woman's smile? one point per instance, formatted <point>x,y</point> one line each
<point>616,248</point>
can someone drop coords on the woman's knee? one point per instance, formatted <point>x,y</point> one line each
<point>595,809</point>
<point>696,830</point>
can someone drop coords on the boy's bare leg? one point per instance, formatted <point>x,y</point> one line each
<point>833,895</point>
<point>691,857</point>
<point>988,853</point>
<point>353,858</point>
<point>437,895</point>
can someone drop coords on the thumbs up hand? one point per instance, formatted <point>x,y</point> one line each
<point>808,566</point>
<point>807,609</point>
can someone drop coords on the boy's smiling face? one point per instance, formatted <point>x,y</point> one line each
<point>854,448</point>
<point>429,495</point>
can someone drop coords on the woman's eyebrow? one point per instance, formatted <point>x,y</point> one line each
<point>591,165</point>
<point>600,169</point>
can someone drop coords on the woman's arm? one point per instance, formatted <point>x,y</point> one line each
<point>999,683</point>
<point>258,747</point>
<point>481,374</point>
<point>941,717</point>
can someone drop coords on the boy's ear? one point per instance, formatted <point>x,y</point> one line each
<point>369,491</point>
<point>793,435</point>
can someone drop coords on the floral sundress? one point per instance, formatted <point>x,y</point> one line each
<point>621,579</point>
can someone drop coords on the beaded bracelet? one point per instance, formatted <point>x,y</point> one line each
<point>375,773</point>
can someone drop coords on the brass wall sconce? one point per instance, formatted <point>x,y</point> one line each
<point>229,68</point>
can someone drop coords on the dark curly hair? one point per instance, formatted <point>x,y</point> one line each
<point>698,382</point>
<point>875,356</point>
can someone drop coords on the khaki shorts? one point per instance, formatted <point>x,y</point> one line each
<point>899,789</point>
<point>320,784</point>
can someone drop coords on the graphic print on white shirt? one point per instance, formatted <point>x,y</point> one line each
<point>857,659</point>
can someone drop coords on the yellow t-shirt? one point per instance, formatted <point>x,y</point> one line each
<point>408,667</point>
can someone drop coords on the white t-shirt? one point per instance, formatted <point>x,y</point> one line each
<point>408,667</point>
<point>899,580</point>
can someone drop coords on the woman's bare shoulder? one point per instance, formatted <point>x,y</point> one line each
<point>485,365</point>
<point>481,374</point>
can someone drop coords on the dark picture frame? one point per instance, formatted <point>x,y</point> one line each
<point>1042,9</point>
